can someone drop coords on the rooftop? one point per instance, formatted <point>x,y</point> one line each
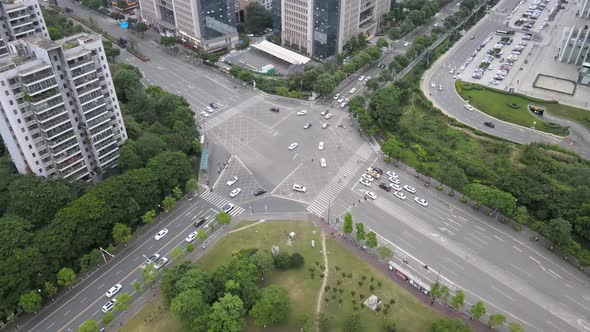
<point>281,53</point>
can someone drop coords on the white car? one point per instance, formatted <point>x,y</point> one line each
<point>406,44</point>
<point>161,234</point>
<point>302,112</point>
<point>340,100</point>
<point>343,105</point>
<point>337,96</point>
<point>227,207</point>
<point>328,116</point>
<point>292,146</point>
<point>323,162</point>
<point>400,195</point>
<point>393,180</point>
<point>433,85</point>
<point>395,187</point>
<point>365,182</point>
<point>462,67</point>
<point>469,107</point>
<point>410,189</point>
<point>323,112</point>
<point>299,188</point>
<point>392,174</point>
<point>353,90</point>
<point>421,201</point>
<point>153,258</point>
<point>440,87</point>
<point>232,181</point>
<point>113,290</point>
<point>367,78</point>
<point>321,146</point>
<point>452,71</point>
<point>367,177</point>
<point>457,77</point>
<point>205,114</point>
<point>362,78</point>
<point>108,306</point>
<point>494,82</point>
<point>325,125</point>
<point>191,237</point>
<point>235,192</point>
<point>163,261</point>
<point>210,109</point>
<point>370,194</point>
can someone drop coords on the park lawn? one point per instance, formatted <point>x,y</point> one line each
<point>408,313</point>
<point>153,317</point>
<point>496,103</point>
<point>302,290</point>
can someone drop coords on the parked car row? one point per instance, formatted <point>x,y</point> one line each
<point>373,173</point>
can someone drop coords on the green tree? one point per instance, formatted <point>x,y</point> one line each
<point>347,228</point>
<point>477,310</point>
<point>108,318</point>
<point>522,215</point>
<point>223,218</point>
<point>495,320</point>
<point>227,315</point>
<point>49,289</point>
<point>89,260</point>
<point>455,178</point>
<point>389,326</point>
<point>121,233</point>
<point>352,323</point>
<point>371,241</point>
<point>172,169</point>
<point>439,291</point>
<point>491,197</point>
<point>257,18</point>
<point>202,234</point>
<point>168,203</point>
<point>128,157</point>
<point>123,302</point>
<point>381,42</point>
<point>89,326</point>
<point>384,252</point>
<point>126,83</point>
<point>177,192</point>
<point>392,148</point>
<point>15,233</point>
<point>373,84</point>
<point>449,325</point>
<point>558,231</point>
<point>273,307</point>
<point>149,274</point>
<point>325,84</point>
<point>55,33</point>
<point>263,260</point>
<point>395,33</point>
<point>386,106</point>
<point>458,300</point>
<point>148,217</point>
<point>66,277</point>
<point>360,232</point>
<point>30,301</point>
<point>191,185</point>
<point>148,146</point>
<point>514,327</point>
<point>191,309</point>
<point>137,287</point>
<point>177,254</point>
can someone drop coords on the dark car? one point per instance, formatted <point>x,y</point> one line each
<point>307,126</point>
<point>275,109</point>
<point>384,186</point>
<point>213,106</point>
<point>381,66</point>
<point>259,192</point>
<point>378,170</point>
<point>200,222</point>
<point>489,124</point>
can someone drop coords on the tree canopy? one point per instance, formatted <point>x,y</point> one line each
<point>273,306</point>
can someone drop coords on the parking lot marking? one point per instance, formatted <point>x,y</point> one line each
<point>295,156</point>
<point>285,179</point>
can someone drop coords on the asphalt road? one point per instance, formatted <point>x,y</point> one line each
<point>449,102</point>
<point>509,272</point>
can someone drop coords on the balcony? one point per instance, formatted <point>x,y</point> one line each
<point>56,132</point>
<point>23,31</point>
<point>22,24</point>
<point>80,64</point>
<point>97,122</point>
<point>90,116</point>
<point>76,74</point>
<point>73,171</point>
<point>43,97</point>
<point>47,106</point>
<point>40,87</point>
<point>102,136</point>
<point>85,100</point>
<point>84,92</point>
<point>54,145</point>
<point>53,117</point>
<point>18,14</point>
<point>88,108</point>
<point>63,157</point>
<point>108,158</point>
<point>80,84</point>
<point>103,145</point>
<point>62,148</point>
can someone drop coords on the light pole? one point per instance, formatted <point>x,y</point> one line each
<point>329,205</point>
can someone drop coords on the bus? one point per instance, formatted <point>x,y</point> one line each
<point>505,33</point>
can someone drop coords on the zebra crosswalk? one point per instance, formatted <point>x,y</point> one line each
<point>320,204</point>
<point>219,201</point>
<point>230,113</point>
<point>338,114</point>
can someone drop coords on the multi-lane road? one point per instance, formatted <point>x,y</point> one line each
<point>505,269</point>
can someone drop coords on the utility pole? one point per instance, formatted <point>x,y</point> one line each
<point>329,203</point>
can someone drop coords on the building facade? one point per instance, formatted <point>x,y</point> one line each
<point>59,113</point>
<point>584,8</point>
<point>20,19</point>
<point>575,45</point>
<point>209,25</point>
<point>321,28</point>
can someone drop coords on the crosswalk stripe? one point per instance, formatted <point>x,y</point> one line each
<point>336,185</point>
<point>231,112</point>
<point>219,201</point>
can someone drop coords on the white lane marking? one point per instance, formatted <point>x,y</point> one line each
<point>552,272</point>
<point>460,217</point>
<point>286,177</point>
<point>51,325</point>
<point>535,260</point>
<point>481,228</point>
<point>94,314</point>
<point>446,230</point>
<point>454,222</point>
<point>407,243</point>
<point>136,258</point>
<point>517,248</point>
<point>499,238</point>
<point>450,226</point>
<point>150,247</point>
<point>521,270</point>
<point>578,303</point>
<point>555,326</point>
<point>118,272</point>
<point>475,244</point>
<point>478,239</point>
<point>568,285</point>
<point>67,312</point>
<point>499,291</point>
<point>455,264</point>
<point>295,156</point>
<point>180,225</point>
<point>99,287</point>
<point>480,233</point>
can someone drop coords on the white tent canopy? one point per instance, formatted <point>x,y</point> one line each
<point>281,53</point>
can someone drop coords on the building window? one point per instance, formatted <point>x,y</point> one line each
<point>34,155</point>
<point>58,68</point>
<point>18,120</point>
<point>36,161</point>
<point>10,102</point>
<point>3,84</point>
<point>55,58</point>
<point>6,92</point>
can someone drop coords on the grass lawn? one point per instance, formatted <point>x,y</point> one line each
<point>152,318</point>
<point>496,104</point>
<point>303,291</point>
<point>407,312</point>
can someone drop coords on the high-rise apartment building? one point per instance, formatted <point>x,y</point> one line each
<point>59,114</point>
<point>321,28</point>
<point>20,19</point>
<point>584,8</point>
<point>209,25</point>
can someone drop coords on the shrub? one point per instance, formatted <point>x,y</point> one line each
<point>297,261</point>
<point>282,261</point>
<point>516,227</point>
